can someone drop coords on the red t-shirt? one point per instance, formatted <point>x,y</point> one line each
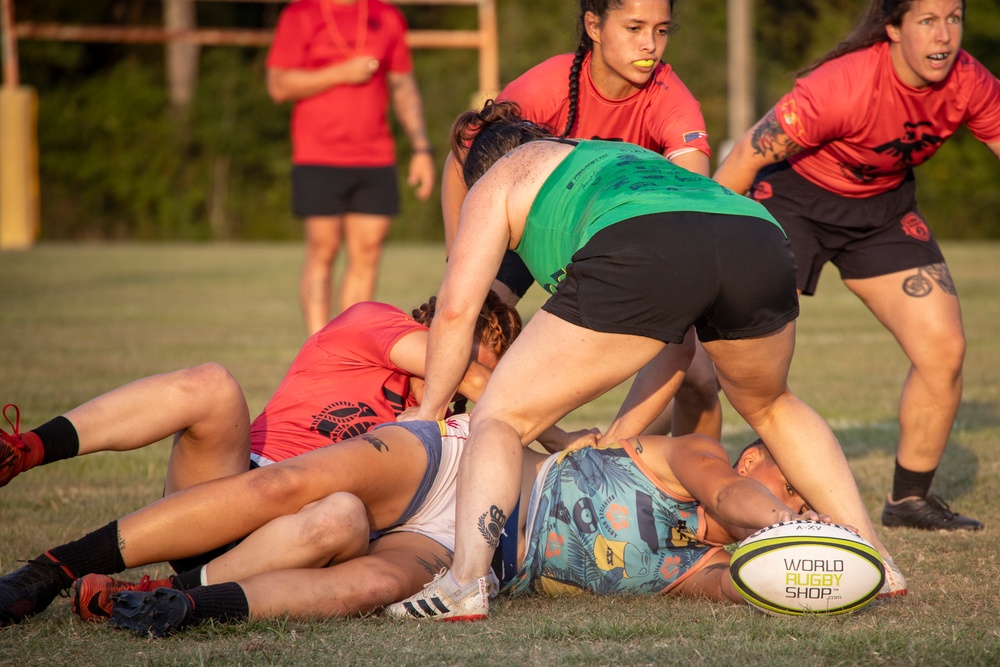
<point>345,125</point>
<point>340,385</point>
<point>863,128</point>
<point>663,116</point>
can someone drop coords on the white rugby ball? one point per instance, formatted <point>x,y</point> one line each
<point>805,567</point>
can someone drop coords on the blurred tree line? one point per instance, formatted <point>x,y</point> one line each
<point>118,162</point>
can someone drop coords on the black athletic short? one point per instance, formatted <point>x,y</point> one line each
<point>730,276</point>
<point>862,237</point>
<point>319,190</point>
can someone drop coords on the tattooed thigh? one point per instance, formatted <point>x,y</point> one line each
<point>922,282</point>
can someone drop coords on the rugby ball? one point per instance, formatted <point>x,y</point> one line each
<point>804,567</point>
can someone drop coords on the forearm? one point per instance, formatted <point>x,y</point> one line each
<point>655,384</point>
<point>748,504</point>
<point>289,85</point>
<point>448,349</point>
<point>453,191</point>
<point>408,107</point>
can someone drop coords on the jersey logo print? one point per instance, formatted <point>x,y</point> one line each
<point>395,400</point>
<point>862,173</point>
<point>910,144</point>
<point>342,420</point>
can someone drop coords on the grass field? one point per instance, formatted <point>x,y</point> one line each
<point>78,320</point>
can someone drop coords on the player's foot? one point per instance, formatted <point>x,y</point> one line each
<point>14,453</point>
<point>895,583</point>
<point>30,589</point>
<point>92,595</point>
<point>930,513</point>
<point>444,600</point>
<point>156,613</point>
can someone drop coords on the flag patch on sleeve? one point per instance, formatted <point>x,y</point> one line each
<point>694,136</point>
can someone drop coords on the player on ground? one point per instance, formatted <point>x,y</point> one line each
<point>833,162</point>
<point>641,251</point>
<point>656,477</point>
<point>352,375</point>
<point>617,89</point>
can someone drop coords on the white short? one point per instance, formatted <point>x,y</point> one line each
<point>435,517</point>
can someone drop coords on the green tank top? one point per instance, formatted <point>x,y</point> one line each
<point>600,183</point>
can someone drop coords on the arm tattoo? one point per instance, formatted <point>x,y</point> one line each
<point>919,285</point>
<point>638,446</point>
<point>769,138</point>
<point>491,525</point>
<point>375,442</point>
<point>407,105</point>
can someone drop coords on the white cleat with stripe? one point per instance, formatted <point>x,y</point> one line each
<point>444,600</point>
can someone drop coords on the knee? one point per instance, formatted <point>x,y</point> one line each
<point>337,524</point>
<point>386,587</point>
<point>942,351</point>
<point>209,384</point>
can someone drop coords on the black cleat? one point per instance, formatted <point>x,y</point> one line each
<point>930,513</point>
<point>30,589</point>
<point>157,613</point>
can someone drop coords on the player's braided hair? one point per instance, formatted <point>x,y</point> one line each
<point>485,136</point>
<point>600,9</point>
<point>497,326</point>
<point>868,31</point>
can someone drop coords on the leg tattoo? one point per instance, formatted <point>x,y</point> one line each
<point>490,527</point>
<point>375,442</point>
<point>437,565</point>
<point>919,285</point>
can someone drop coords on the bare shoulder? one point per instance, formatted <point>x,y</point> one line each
<point>524,170</point>
<point>672,459</point>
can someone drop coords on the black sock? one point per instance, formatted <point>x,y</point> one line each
<point>906,483</point>
<point>188,579</point>
<point>222,602</point>
<point>59,440</point>
<point>95,552</point>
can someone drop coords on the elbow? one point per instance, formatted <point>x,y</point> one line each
<point>277,95</point>
<point>275,88</point>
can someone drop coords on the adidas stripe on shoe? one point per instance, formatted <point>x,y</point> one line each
<point>444,600</point>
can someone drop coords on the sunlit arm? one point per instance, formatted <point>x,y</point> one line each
<point>763,144</point>
<point>483,236</point>
<point>290,85</point>
<point>654,385</point>
<point>408,109</point>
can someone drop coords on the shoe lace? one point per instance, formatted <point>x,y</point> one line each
<point>939,504</point>
<point>145,584</point>
<point>12,439</point>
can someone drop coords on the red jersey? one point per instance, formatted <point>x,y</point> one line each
<point>663,116</point>
<point>863,128</point>
<point>340,385</point>
<point>346,125</point>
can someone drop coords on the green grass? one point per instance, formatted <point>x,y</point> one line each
<point>79,320</point>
